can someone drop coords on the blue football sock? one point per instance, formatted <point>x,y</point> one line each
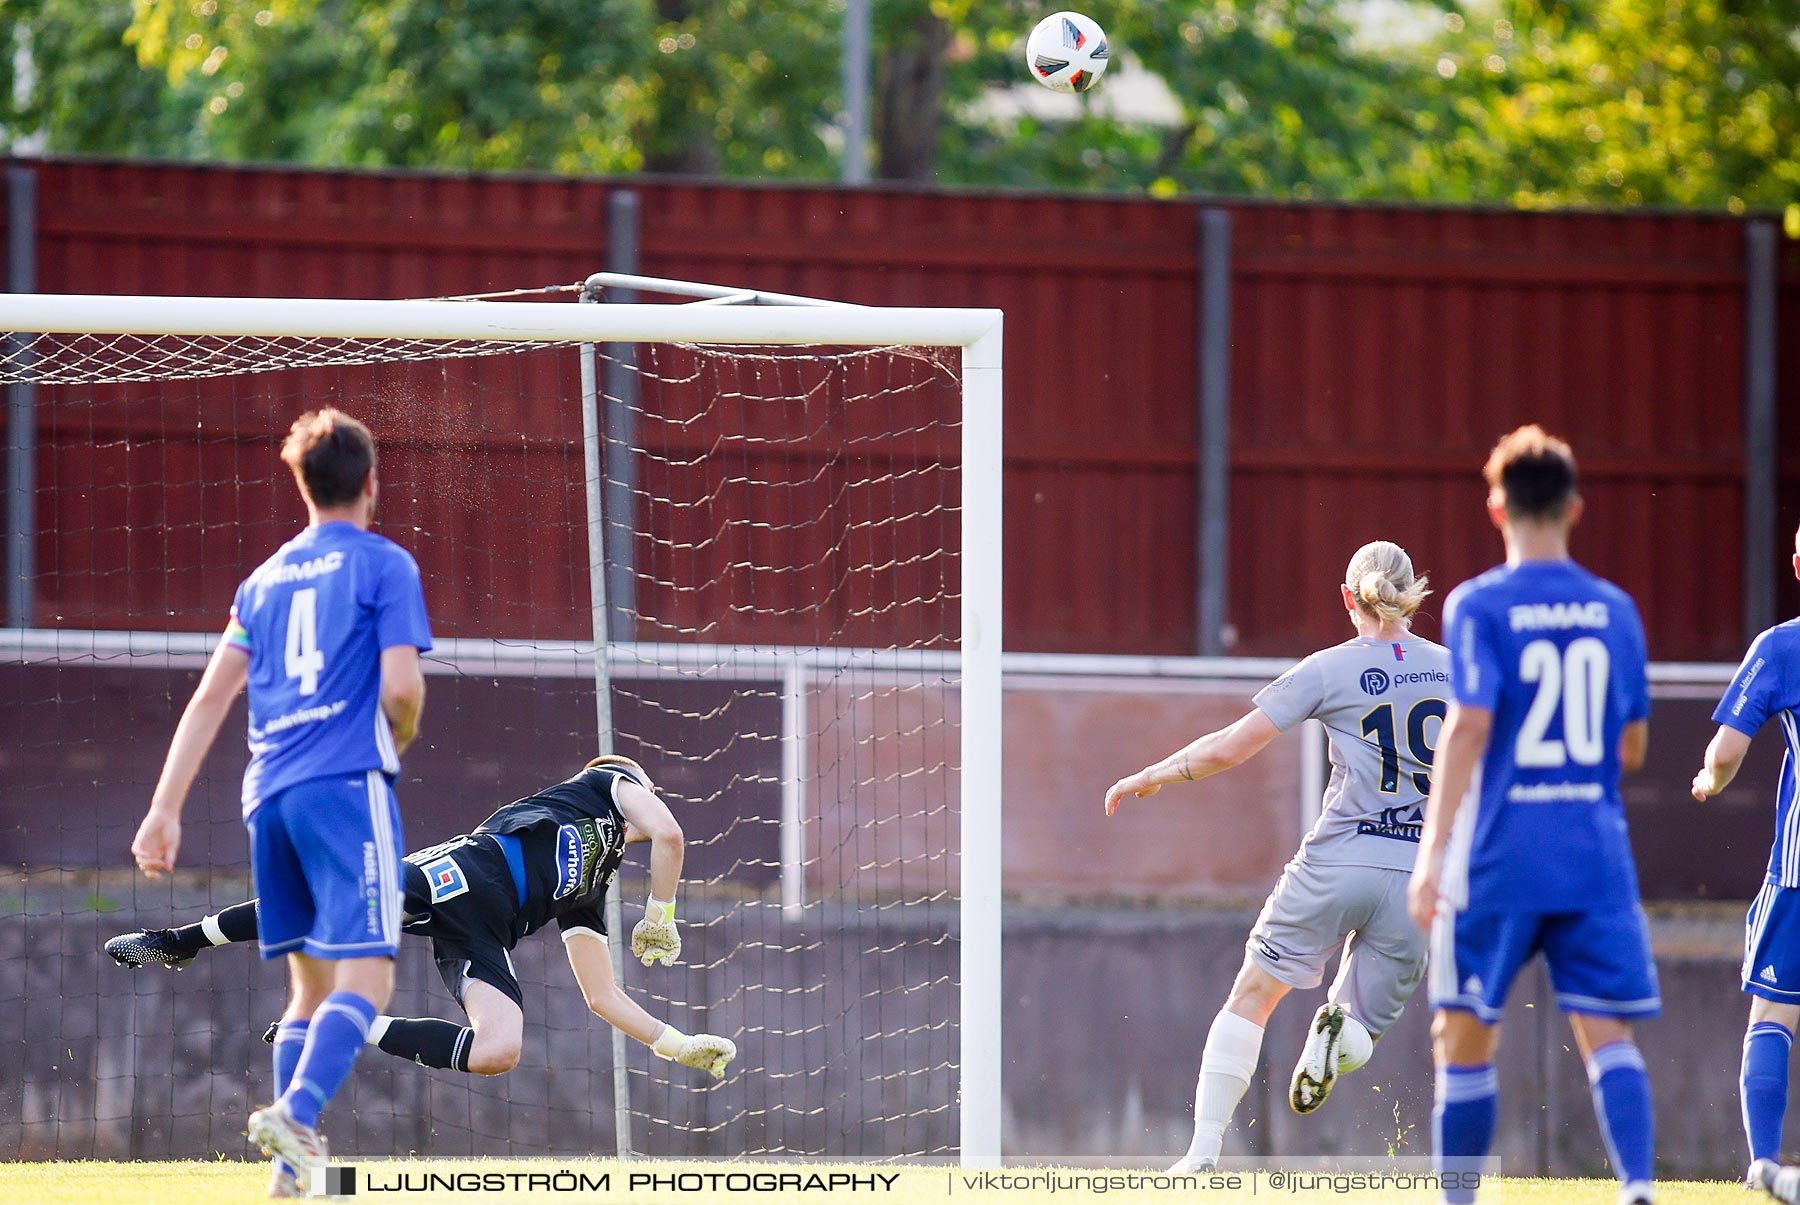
<point>1622,1103</point>
<point>335,1038</point>
<point>1462,1124</point>
<point>290,1040</point>
<point>1762,1086</point>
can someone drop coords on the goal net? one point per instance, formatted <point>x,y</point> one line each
<point>723,539</point>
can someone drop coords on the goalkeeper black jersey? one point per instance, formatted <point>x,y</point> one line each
<point>572,836</point>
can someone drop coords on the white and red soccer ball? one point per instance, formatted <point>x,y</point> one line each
<point>1066,52</point>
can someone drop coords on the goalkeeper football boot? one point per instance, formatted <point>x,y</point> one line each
<point>1317,1069</point>
<point>1188,1165</point>
<point>274,1129</point>
<point>1782,1183</point>
<point>136,950</point>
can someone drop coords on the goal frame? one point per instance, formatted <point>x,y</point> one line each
<point>737,317</point>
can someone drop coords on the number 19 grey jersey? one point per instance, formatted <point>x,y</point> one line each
<point>1382,704</point>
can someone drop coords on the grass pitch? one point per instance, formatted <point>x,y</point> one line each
<point>229,1182</point>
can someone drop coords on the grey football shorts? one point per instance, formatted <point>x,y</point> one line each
<point>1315,911</point>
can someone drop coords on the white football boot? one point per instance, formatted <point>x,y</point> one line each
<point>1317,1069</point>
<point>274,1129</point>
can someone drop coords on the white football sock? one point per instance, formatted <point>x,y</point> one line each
<point>1355,1045</point>
<point>1226,1067</point>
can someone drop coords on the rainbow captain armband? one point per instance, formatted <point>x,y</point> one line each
<point>237,635</point>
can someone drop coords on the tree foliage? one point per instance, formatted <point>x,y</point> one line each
<point>1530,102</point>
<point>1682,102</point>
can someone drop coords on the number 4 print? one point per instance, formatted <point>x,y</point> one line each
<point>304,660</point>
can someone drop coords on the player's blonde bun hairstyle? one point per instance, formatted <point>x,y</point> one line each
<point>1382,580</point>
<point>619,761</point>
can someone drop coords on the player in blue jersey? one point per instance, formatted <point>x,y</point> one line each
<point>327,633</point>
<point>1524,850</point>
<point>1767,687</point>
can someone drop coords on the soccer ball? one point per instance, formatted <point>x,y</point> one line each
<point>1066,52</point>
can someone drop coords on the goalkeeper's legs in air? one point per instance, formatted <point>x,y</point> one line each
<point>488,1045</point>
<point>175,948</point>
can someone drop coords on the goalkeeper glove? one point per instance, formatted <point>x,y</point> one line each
<point>655,938</point>
<point>705,1051</point>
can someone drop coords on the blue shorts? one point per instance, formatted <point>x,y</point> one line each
<point>326,856</point>
<point>1772,945</point>
<point>1599,960</point>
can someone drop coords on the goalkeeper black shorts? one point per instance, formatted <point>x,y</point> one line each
<point>466,893</point>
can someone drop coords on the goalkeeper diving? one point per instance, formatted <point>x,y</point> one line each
<point>548,857</point>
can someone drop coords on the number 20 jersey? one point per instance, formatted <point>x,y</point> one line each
<point>315,618</point>
<point>1557,655</point>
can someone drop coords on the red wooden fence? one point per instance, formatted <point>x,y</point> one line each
<point>1377,353</point>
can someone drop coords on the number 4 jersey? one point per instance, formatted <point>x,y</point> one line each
<point>315,618</point>
<point>1382,704</point>
<point>1557,655</point>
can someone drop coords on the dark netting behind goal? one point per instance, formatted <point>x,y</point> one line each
<point>781,528</point>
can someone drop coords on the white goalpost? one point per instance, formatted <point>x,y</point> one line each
<point>816,690</point>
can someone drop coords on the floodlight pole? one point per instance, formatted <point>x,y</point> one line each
<point>856,91</point>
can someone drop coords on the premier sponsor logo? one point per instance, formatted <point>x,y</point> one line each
<point>1374,681</point>
<point>1556,617</point>
<point>1416,677</point>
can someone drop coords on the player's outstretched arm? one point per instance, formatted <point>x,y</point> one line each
<point>592,964</point>
<point>158,838</point>
<point>655,938</point>
<point>1724,758</point>
<point>1461,746</point>
<point>1212,753</point>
